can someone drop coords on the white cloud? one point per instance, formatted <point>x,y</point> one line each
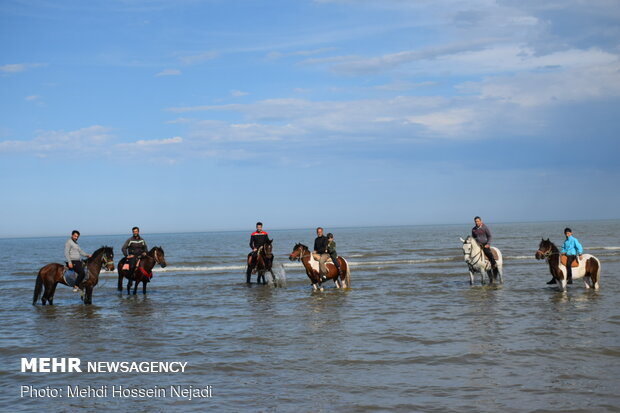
<point>169,72</point>
<point>19,67</point>
<point>155,142</point>
<point>196,58</point>
<point>238,93</point>
<point>84,140</point>
<point>32,98</point>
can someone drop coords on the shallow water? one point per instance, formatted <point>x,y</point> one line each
<point>411,335</point>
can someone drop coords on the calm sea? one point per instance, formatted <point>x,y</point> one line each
<point>410,335</point>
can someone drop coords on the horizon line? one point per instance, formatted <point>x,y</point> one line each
<point>310,228</point>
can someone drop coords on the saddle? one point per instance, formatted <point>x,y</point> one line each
<point>564,260</point>
<point>318,257</point>
<point>70,276</point>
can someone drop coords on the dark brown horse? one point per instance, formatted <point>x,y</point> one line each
<point>52,274</point>
<point>263,263</point>
<point>143,271</point>
<point>589,266</point>
<point>302,253</point>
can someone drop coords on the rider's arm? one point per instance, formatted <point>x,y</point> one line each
<point>67,251</point>
<point>125,245</point>
<point>488,232</point>
<point>578,247</point>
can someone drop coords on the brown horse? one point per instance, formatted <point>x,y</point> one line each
<point>302,253</point>
<point>262,264</point>
<point>589,266</point>
<point>143,272</point>
<point>52,274</point>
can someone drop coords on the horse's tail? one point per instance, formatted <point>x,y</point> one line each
<point>347,277</point>
<point>38,286</point>
<point>598,274</point>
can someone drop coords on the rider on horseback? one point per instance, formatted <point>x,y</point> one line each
<point>73,254</point>
<point>257,240</point>
<point>320,252</point>
<point>571,248</point>
<point>134,248</point>
<point>482,235</point>
<point>331,250</point>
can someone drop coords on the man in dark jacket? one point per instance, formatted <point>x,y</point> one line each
<point>320,252</point>
<point>257,240</point>
<point>134,248</point>
<point>482,235</point>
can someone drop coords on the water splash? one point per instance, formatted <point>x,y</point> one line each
<point>279,274</point>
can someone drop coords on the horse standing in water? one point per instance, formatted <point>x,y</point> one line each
<point>302,253</point>
<point>588,266</point>
<point>263,263</point>
<point>143,271</point>
<point>50,275</point>
<point>478,262</point>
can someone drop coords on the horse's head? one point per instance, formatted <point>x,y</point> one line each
<point>159,256</point>
<point>107,258</point>
<point>545,248</point>
<point>467,249</point>
<point>298,252</point>
<point>268,248</point>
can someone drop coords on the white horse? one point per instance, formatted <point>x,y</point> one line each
<point>478,262</point>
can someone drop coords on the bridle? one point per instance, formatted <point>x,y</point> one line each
<point>105,261</point>
<point>302,254</point>
<point>547,253</point>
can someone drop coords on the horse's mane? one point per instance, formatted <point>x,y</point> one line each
<point>100,250</point>
<point>551,244</point>
<point>299,244</point>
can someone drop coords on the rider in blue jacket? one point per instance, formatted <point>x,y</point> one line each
<point>571,248</point>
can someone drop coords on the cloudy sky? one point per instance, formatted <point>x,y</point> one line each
<point>195,115</point>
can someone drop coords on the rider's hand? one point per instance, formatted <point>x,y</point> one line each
<point>90,256</point>
<point>486,245</point>
<point>130,256</point>
<point>254,249</point>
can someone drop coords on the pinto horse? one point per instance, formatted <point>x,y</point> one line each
<point>474,257</point>
<point>262,264</point>
<point>50,275</point>
<point>143,272</point>
<point>589,267</point>
<point>303,254</point>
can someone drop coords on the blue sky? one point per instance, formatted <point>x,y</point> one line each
<point>197,115</point>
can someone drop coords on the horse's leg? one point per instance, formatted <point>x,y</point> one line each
<point>120,281</point>
<point>500,277</point>
<point>135,286</point>
<point>144,286</point>
<point>593,268</point>
<point>562,284</point>
<point>47,292</point>
<point>88,296</point>
<point>471,277</point>
<point>51,295</point>
<point>128,286</point>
